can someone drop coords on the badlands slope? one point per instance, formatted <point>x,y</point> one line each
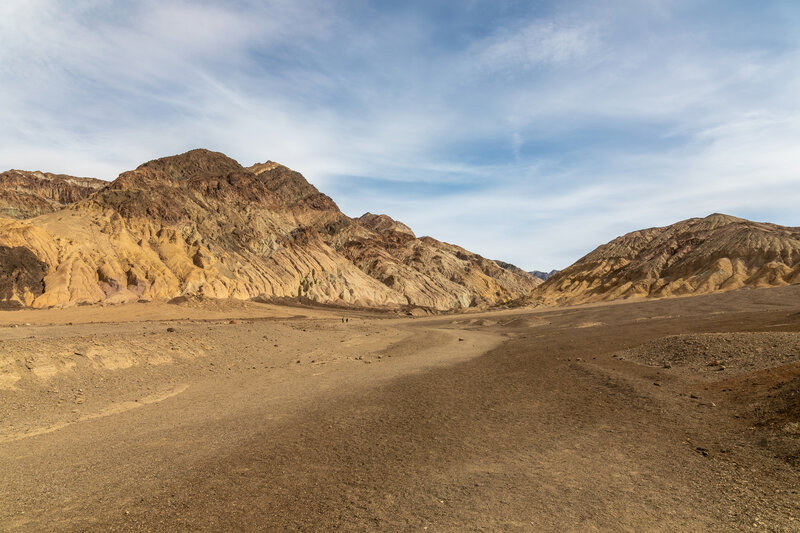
<point>694,256</point>
<point>201,224</point>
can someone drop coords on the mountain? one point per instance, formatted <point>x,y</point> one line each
<point>544,276</point>
<point>694,256</point>
<point>26,194</point>
<point>200,223</point>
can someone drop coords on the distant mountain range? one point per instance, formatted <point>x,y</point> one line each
<point>544,276</point>
<point>199,223</point>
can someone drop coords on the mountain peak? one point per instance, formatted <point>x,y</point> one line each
<point>197,162</point>
<point>291,187</point>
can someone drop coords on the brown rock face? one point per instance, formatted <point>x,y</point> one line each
<point>695,256</point>
<point>26,194</point>
<point>200,223</point>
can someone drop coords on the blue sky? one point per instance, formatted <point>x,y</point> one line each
<point>525,131</point>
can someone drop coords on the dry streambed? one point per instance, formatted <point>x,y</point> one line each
<point>48,380</point>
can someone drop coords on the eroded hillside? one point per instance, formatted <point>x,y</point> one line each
<point>694,256</point>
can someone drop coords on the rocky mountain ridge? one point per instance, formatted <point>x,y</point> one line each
<point>199,223</point>
<point>25,194</point>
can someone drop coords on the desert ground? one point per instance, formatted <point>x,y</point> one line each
<point>678,414</point>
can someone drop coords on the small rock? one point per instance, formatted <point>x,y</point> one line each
<point>702,451</point>
<point>657,384</point>
<point>693,396</point>
<point>667,364</point>
<point>171,330</point>
<point>460,339</point>
<point>233,321</point>
<point>715,362</point>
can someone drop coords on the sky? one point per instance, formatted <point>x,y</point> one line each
<point>527,131</point>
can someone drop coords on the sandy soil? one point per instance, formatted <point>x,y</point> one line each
<point>232,417</point>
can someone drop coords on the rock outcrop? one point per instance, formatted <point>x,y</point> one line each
<point>383,224</point>
<point>26,194</point>
<point>201,224</point>
<point>695,256</point>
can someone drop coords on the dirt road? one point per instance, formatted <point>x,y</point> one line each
<point>507,421</point>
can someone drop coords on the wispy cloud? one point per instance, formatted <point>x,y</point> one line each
<point>539,43</point>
